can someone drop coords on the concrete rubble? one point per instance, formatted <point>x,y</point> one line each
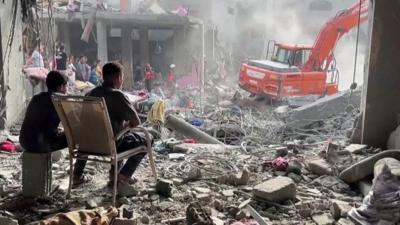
<point>220,171</point>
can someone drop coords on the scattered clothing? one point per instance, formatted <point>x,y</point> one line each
<point>8,146</point>
<point>39,131</point>
<point>156,115</point>
<point>98,216</point>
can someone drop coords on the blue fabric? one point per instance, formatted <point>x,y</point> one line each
<point>93,77</point>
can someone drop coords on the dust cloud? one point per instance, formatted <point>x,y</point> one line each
<point>292,22</point>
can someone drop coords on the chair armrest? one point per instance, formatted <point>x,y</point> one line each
<point>148,145</point>
<point>121,133</point>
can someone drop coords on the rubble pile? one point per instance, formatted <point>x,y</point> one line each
<point>248,167</point>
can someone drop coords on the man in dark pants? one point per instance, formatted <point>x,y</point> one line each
<point>39,131</point>
<point>121,113</point>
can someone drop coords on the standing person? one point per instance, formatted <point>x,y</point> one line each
<point>148,76</point>
<point>121,113</point>
<point>39,131</point>
<point>36,59</point>
<point>84,69</point>
<point>61,60</point>
<point>71,71</point>
<point>138,73</point>
<point>94,76</point>
<point>171,78</point>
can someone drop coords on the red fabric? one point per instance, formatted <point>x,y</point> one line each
<point>280,164</point>
<point>148,75</point>
<point>171,76</point>
<point>190,141</point>
<point>8,146</point>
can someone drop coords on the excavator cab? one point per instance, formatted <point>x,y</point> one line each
<point>291,55</point>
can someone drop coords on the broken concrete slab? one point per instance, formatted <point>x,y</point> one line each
<point>365,167</point>
<point>323,108</point>
<point>339,209</point>
<point>202,190</point>
<point>228,193</point>
<point>179,125</point>
<point>343,221</point>
<point>278,189</point>
<point>355,148</point>
<point>319,167</point>
<point>323,219</point>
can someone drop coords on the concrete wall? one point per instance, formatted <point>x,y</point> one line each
<point>14,79</point>
<point>381,105</point>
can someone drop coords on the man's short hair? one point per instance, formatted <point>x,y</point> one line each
<point>110,71</point>
<point>54,80</point>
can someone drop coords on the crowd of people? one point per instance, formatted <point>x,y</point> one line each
<point>78,68</point>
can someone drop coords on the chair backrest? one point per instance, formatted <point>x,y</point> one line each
<point>86,123</point>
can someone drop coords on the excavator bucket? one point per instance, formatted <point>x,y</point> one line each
<point>320,5</point>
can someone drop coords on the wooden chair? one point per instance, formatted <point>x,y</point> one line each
<point>90,136</point>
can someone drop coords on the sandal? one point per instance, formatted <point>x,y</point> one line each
<point>76,182</point>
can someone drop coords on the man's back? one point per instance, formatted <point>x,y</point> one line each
<point>119,108</point>
<point>40,123</point>
<point>61,60</point>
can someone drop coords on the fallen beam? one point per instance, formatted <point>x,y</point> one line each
<point>181,126</point>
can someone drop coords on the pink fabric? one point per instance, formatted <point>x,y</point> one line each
<point>191,79</point>
<point>36,73</point>
<point>181,11</point>
<point>280,164</point>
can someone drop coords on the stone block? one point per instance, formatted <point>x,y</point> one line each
<point>323,219</point>
<point>36,174</point>
<point>355,148</point>
<point>343,221</point>
<point>164,187</point>
<point>339,209</point>
<point>278,189</point>
<point>319,167</point>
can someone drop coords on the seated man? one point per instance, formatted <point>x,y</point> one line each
<point>121,114</point>
<point>39,131</point>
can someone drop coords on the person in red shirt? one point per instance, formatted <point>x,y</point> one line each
<point>148,76</point>
<point>171,78</point>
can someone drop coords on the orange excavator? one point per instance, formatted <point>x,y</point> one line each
<point>295,70</point>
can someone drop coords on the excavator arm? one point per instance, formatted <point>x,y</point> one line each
<point>322,52</point>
